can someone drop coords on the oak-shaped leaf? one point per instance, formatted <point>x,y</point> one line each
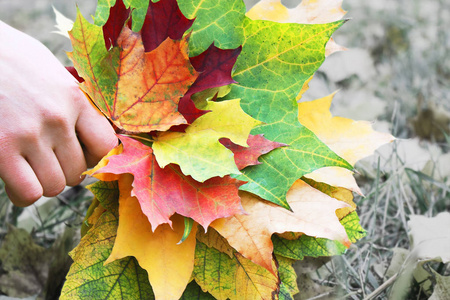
<point>161,192</point>
<point>156,250</point>
<point>313,213</point>
<point>137,91</point>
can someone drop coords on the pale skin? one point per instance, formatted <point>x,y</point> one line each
<point>49,132</point>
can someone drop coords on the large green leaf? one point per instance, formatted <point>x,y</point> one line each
<point>88,278</point>
<point>218,22</point>
<point>232,278</point>
<point>275,62</point>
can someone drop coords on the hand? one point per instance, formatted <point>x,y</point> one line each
<point>49,132</point>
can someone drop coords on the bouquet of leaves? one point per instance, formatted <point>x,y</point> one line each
<point>222,179</point>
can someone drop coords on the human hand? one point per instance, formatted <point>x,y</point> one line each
<point>49,132</point>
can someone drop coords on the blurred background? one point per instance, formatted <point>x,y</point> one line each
<point>395,74</point>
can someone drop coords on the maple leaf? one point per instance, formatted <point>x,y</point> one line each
<point>218,22</point>
<point>214,67</point>
<point>164,19</point>
<point>352,140</point>
<point>89,278</point>
<point>298,247</point>
<point>113,26</point>
<point>138,7</point>
<point>314,214</point>
<point>269,80</point>
<point>232,278</point>
<point>248,156</point>
<point>154,250</point>
<point>307,12</point>
<point>163,192</point>
<point>198,151</point>
<point>138,91</point>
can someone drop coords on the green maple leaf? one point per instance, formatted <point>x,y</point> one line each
<point>88,278</point>
<point>235,277</point>
<point>275,62</point>
<point>288,275</point>
<point>198,151</point>
<point>218,22</point>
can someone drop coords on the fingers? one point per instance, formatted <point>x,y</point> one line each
<point>22,186</point>
<point>47,170</point>
<point>96,134</point>
<point>71,159</point>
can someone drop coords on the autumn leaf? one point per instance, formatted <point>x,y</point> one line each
<point>88,278</point>
<point>305,245</point>
<point>232,278</point>
<point>155,250</point>
<point>113,26</point>
<point>162,192</point>
<point>138,91</point>
<point>339,193</point>
<point>313,213</point>
<point>269,79</point>
<point>194,291</point>
<point>352,140</point>
<point>163,20</point>
<point>287,273</point>
<point>214,67</point>
<point>248,156</point>
<point>307,12</point>
<point>198,151</point>
<point>138,8</point>
<point>217,22</point>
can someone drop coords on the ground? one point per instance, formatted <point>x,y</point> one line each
<point>396,74</point>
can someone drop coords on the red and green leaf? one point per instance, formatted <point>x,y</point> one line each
<point>162,192</point>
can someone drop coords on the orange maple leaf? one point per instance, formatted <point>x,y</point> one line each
<point>314,214</point>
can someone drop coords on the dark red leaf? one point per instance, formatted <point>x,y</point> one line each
<point>118,15</point>
<point>215,66</point>
<point>74,73</point>
<point>164,19</point>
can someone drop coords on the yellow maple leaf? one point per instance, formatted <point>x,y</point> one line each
<point>169,265</point>
<point>307,12</point>
<point>314,214</point>
<point>352,140</point>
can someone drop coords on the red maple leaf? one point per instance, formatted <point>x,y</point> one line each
<point>248,156</point>
<point>214,67</point>
<point>118,15</point>
<point>163,192</point>
<point>164,19</point>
